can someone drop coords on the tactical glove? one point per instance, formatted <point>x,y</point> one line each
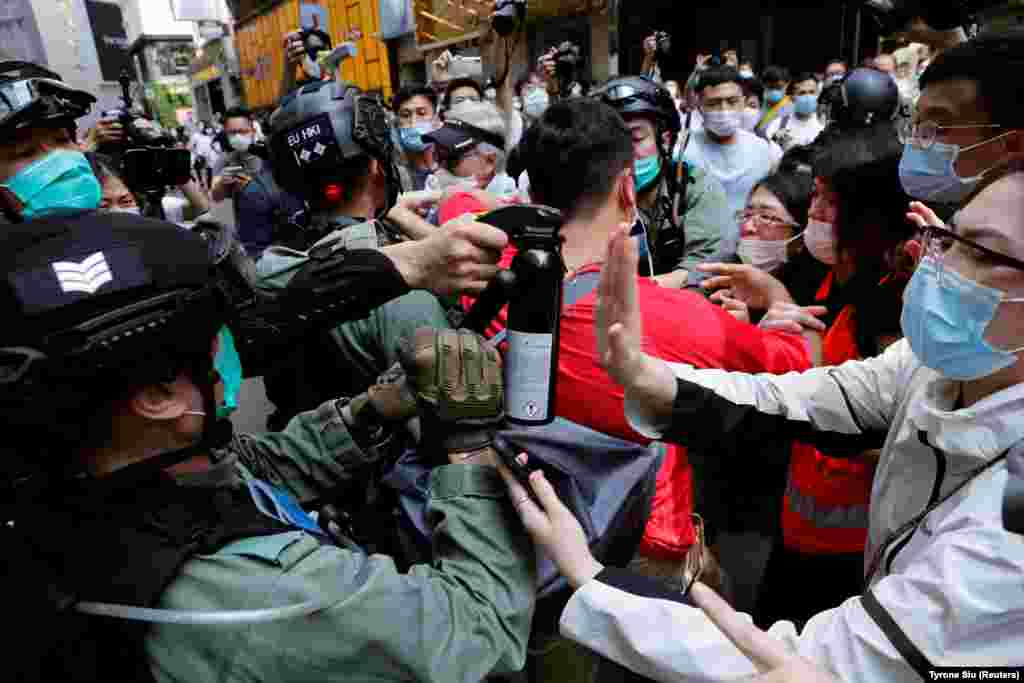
<point>458,384</point>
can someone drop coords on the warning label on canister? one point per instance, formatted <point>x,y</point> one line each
<point>526,375</point>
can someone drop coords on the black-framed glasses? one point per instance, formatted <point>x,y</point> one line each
<point>937,242</point>
<point>924,134</point>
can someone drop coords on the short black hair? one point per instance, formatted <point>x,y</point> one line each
<point>407,92</point>
<point>238,113</point>
<point>574,153</point>
<point>985,61</point>
<point>776,74</point>
<point>752,87</point>
<point>800,78</point>
<point>717,75</point>
<point>864,162</point>
<point>457,83</point>
<point>794,189</point>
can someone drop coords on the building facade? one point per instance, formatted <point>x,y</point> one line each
<point>59,34</point>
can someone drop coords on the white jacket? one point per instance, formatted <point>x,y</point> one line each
<point>954,586</point>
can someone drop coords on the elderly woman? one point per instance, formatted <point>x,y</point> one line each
<point>470,150</point>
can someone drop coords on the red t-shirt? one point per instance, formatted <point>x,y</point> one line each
<point>679,326</point>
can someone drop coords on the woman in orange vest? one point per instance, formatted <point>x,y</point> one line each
<point>856,226</point>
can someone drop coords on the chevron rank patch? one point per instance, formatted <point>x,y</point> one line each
<point>80,276</point>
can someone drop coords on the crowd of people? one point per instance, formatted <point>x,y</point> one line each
<point>789,378</point>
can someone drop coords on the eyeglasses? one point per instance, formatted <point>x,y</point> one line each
<point>763,219</point>
<point>693,564</point>
<point>939,243</point>
<point>923,135</point>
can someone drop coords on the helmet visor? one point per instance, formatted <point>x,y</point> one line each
<point>23,101</point>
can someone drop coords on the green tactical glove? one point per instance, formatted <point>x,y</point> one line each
<point>458,383</point>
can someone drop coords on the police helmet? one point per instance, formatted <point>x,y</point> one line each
<point>33,96</point>
<point>96,302</point>
<point>864,97</point>
<point>641,95</point>
<point>321,128</point>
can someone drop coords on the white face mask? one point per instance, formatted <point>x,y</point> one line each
<point>240,143</point>
<point>130,209</point>
<point>724,124</point>
<point>820,239</point>
<point>746,73</point>
<point>764,255</point>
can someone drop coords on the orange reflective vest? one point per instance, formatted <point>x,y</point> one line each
<point>825,508</point>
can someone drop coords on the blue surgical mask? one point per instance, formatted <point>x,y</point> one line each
<point>229,368</point>
<point>773,97</point>
<point>646,171</point>
<point>536,102</point>
<point>61,181</point>
<point>411,138</point>
<point>930,174</point>
<point>805,104</point>
<point>945,323</point>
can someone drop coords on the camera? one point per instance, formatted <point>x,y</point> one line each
<point>507,15</point>
<point>148,158</point>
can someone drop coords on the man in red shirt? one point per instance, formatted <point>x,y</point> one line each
<point>580,159</point>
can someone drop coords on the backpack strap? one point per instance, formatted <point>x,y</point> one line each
<point>911,654</point>
<point>572,291</point>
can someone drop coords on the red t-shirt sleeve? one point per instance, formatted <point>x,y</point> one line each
<point>459,204</point>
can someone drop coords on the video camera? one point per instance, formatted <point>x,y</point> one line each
<point>507,15</point>
<point>148,158</point>
<point>568,59</point>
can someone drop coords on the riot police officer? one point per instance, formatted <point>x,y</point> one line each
<point>145,541</point>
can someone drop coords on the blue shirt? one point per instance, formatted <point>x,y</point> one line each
<point>256,207</point>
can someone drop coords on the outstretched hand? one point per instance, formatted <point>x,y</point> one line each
<point>553,527</point>
<point>756,288</point>
<point>460,257</point>
<point>619,324</point>
<point>772,658</point>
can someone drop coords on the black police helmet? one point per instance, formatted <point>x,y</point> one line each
<point>31,95</point>
<point>323,127</point>
<point>640,95</point>
<point>98,300</point>
<point>868,96</point>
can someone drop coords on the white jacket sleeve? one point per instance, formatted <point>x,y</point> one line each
<point>955,595</point>
<point>842,409</point>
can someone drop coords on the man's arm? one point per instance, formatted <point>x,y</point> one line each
<point>706,215</point>
<point>841,410</point>
<point>615,620</point>
<point>195,196</point>
<point>461,618</point>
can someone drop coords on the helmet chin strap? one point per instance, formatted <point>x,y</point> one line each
<point>217,433</point>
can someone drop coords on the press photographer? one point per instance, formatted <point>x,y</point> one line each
<point>146,157</point>
<point>657,50</point>
<point>261,207</point>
